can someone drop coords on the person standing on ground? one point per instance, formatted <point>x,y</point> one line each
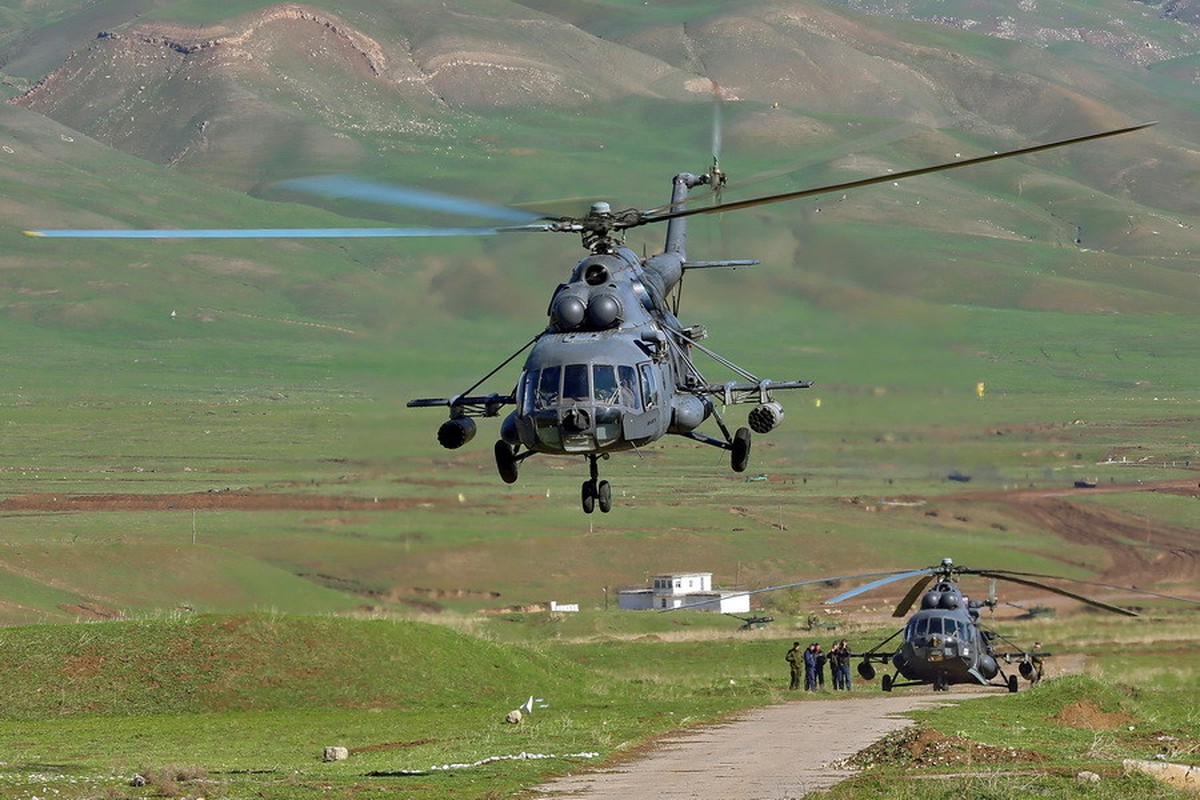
<point>810,668</point>
<point>795,659</point>
<point>843,663</point>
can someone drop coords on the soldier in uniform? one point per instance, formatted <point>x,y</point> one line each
<point>1035,660</point>
<point>795,659</point>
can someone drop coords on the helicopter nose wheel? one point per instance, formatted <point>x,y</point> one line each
<point>594,491</point>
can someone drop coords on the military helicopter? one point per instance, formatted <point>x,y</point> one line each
<point>613,369</point>
<point>943,643</point>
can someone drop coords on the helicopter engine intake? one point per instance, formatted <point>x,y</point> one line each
<point>766,417</point>
<point>456,432</point>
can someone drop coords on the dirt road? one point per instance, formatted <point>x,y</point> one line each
<point>772,753</point>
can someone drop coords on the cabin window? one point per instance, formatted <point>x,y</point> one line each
<point>649,388</point>
<point>575,382</point>
<point>604,384</point>
<point>935,625</point>
<point>547,394</point>
<point>920,626</point>
<point>627,377</point>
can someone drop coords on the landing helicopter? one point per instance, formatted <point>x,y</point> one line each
<point>944,643</point>
<point>613,369</point>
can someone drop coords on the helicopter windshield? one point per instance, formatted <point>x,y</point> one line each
<point>547,393</point>
<point>603,384</point>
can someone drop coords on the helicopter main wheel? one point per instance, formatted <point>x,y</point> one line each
<point>506,462</point>
<point>887,683</point>
<point>739,456</point>
<point>1012,683</point>
<point>604,497</point>
<point>593,493</point>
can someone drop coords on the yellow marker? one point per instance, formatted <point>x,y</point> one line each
<point>34,233</point>
<point>979,389</point>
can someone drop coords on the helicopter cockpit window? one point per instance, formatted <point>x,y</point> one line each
<point>920,627</point>
<point>935,625</point>
<point>547,393</point>
<point>575,382</point>
<point>525,390</point>
<point>627,377</point>
<point>604,384</point>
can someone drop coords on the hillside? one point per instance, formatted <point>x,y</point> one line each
<point>221,425</point>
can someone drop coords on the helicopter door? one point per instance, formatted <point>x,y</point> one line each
<point>642,420</point>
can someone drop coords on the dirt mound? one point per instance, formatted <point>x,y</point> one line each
<point>1086,714</point>
<point>928,747</point>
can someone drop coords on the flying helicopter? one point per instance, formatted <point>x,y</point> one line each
<point>944,642</point>
<point>613,369</point>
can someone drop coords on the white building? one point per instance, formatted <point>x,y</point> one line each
<point>692,589</point>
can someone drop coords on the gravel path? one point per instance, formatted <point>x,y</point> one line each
<point>773,753</point>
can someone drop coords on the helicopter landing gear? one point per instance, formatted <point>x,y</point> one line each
<point>887,683</point>
<point>1012,684</point>
<point>594,491</point>
<point>506,462</point>
<point>940,684</point>
<point>739,454</point>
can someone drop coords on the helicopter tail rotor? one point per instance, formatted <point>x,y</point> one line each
<point>716,178</point>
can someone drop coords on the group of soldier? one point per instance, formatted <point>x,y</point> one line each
<point>810,661</point>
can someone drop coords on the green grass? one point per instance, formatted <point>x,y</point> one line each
<point>245,704</point>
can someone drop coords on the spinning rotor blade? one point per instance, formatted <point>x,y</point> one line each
<point>281,233</point>
<point>894,176</point>
<point>866,587</point>
<point>347,186</point>
<point>1056,590</point>
<point>904,605</point>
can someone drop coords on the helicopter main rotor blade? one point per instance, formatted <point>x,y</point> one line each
<point>1113,586</point>
<point>1065,593</point>
<point>777,588</point>
<point>350,187</point>
<point>894,176</point>
<point>904,605</point>
<point>866,587</point>
<point>281,233</point>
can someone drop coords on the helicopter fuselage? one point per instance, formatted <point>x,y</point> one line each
<point>945,647</point>
<point>606,374</point>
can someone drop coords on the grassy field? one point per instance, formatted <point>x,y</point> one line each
<point>235,706</point>
<point>205,454</point>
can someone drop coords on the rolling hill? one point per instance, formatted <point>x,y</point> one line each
<point>1066,282</point>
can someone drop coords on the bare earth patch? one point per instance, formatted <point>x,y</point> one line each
<point>1086,714</point>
